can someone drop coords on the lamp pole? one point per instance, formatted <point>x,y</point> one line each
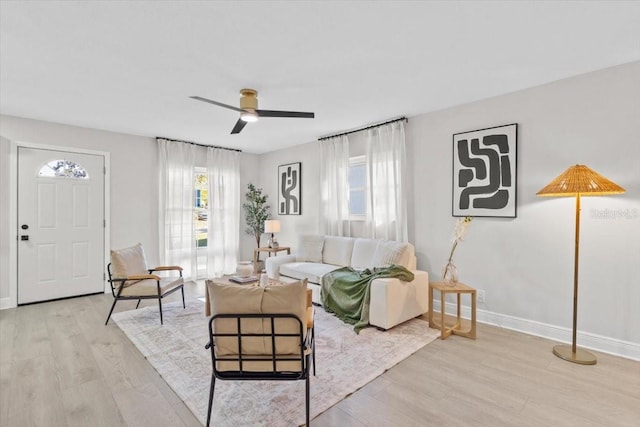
<point>573,353</point>
<point>576,259</point>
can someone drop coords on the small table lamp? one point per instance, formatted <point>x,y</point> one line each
<point>578,181</point>
<point>272,226</point>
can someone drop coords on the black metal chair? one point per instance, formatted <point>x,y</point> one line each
<point>131,279</point>
<point>262,346</point>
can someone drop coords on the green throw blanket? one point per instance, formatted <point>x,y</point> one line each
<point>346,292</point>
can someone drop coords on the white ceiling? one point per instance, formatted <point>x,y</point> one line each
<point>131,66</point>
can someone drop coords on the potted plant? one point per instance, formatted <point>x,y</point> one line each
<point>256,212</point>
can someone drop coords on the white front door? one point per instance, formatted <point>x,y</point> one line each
<point>60,224</point>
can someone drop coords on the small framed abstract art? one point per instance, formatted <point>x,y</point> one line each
<point>289,189</point>
<point>484,172</point>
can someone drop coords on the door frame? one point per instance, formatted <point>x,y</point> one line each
<point>12,300</point>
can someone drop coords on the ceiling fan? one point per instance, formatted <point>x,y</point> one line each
<point>249,111</point>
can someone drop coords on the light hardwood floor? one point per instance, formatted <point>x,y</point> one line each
<point>60,366</point>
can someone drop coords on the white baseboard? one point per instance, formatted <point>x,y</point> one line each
<point>7,303</point>
<point>600,343</point>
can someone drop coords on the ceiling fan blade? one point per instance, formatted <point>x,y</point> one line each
<point>275,113</point>
<point>240,124</point>
<point>219,104</point>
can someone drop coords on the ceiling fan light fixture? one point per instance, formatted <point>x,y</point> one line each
<point>249,111</point>
<point>249,116</point>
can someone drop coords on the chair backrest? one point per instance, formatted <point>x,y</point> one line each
<point>258,329</point>
<point>128,262</point>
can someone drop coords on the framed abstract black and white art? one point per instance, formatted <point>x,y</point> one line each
<point>484,172</point>
<point>289,189</point>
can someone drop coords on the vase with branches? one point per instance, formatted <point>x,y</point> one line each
<point>450,272</point>
<point>256,211</point>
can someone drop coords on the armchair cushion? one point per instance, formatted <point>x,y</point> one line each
<point>128,262</point>
<point>149,287</point>
<point>285,298</point>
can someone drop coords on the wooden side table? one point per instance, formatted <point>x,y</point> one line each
<point>256,252</point>
<point>458,289</point>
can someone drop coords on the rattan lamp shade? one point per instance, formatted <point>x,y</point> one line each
<point>579,179</point>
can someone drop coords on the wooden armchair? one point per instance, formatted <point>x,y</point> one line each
<point>131,279</point>
<point>260,333</point>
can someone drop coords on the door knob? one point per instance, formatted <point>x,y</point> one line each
<point>24,226</point>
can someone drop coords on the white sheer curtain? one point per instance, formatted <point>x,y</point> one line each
<point>386,164</point>
<point>176,205</point>
<point>223,168</point>
<point>334,179</point>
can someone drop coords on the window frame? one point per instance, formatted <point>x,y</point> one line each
<point>200,171</point>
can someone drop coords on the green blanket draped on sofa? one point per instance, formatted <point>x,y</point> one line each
<point>346,291</point>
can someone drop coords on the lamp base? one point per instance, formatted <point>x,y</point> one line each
<point>273,243</point>
<point>581,356</point>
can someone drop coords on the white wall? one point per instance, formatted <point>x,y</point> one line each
<point>309,155</point>
<point>134,182</point>
<point>292,225</point>
<point>134,176</point>
<point>249,173</point>
<point>525,265</point>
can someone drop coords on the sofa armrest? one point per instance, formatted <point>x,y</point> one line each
<point>394,301</point>
<point>273,263</point>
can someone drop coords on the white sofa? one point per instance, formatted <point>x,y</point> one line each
<point>392,300</point>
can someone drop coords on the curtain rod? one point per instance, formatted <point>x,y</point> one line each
<point>199,145</point>
<point>364,128</point>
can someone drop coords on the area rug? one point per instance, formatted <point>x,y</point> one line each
<point>344,361</point>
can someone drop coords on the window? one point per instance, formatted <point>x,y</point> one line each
<point>357,188</point>
<point>63,169</point>
<point>200,211</point>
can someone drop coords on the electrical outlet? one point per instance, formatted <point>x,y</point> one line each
<point>480,295</point>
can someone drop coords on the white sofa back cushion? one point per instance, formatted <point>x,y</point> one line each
<point>337,250</point>
<point>390,252</point>
<point>408,258</point>
<point>310,248</point>
<point>363,253</point>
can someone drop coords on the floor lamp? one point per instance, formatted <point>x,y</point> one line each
<point>578,181</point>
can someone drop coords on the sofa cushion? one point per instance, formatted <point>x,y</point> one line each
<point>390,252</point>
<point>311,271</point>
<point>363,253</point>
<point>337,250</point>
<point>310,248</point>
<point>408,258</point>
